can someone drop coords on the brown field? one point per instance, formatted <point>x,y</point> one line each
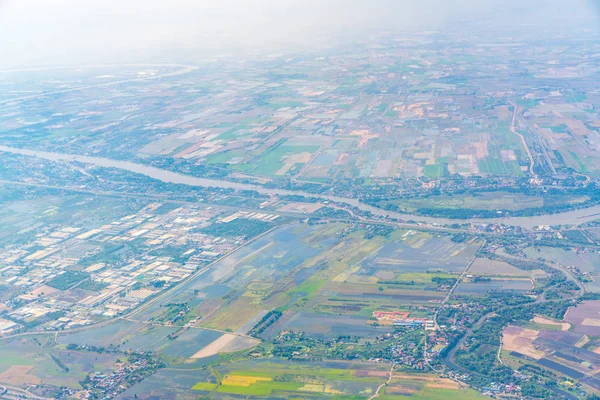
<point>400,390</point>
<point>19,375</point>
<point>215,347</point>
<point>520,340</point>
<point>564,326</point>
<point>443,384</point>
<point>415,377</point>
<point>40,292</point>
<point>382,374</point>
<point>585,317</point>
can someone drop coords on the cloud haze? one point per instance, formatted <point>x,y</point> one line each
<point>60,32</point>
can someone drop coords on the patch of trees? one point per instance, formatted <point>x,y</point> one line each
<point>67,280</point>
<point>236,228</point>
<point>269,319</point>
<point>58,362</point>
<point>381,230</point>
<point>93,286</point>
<point>460,237</point>
<point>443,281</point>
<point>480,355</point>
<point>532,390</point>
<point>329,212</point>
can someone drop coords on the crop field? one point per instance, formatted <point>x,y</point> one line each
<point>135,336</point>
<point>566,347</point>
<point>167,384</point>
<point>273,379</point>
<point>494,286</point>
<point>366,152</point>
<point>30,361</point>
<point>118,333</point>
<point>588,262</point>
<point>323,280</point>
<point>585,317</point>
<point>282,158</point>
<point>325,326</point>
<point>286,380</point>
<point>265,379</point>
<point>188,343</point>
<point>421,252</point>
<point>333,275</point>
<point>426,387</point>
<point>505,201</point>
<point>493,268</point>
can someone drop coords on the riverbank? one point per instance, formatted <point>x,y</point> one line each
<point>574,217</point>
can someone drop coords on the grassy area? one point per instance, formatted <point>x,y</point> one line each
<point>270,378</point>
<point>309,287</point>
<point>433,171</point>
<point>582,167</point>
<point>438,394</point>
<point>274,159</point>
<point>422,277</point>
<point>485,201</point>
<point>205,386</point>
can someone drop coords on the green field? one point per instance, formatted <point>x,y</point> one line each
<point>485,201</point>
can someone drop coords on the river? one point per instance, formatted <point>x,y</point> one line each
<point>570,217</point>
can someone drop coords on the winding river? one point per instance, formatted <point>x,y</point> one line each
<point>570,217</point>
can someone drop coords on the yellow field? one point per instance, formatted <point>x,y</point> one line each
<point>242,380</point>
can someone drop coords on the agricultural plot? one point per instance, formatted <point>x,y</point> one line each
<point>167,384</point>
<point>493,268</point>
<point>494,286</point>
<point>566,347</point>
<point>118,333</point>
<point>325,326</point>
<point>426,387</point>
<point>33,361</point>
<point>585,317</point>
<point>421,252</point>
<point>488,201</point>
<point>313,122</point>
<point>585,264</point>
<point>324,279</point>
<point>283,157</point>
<point>570,132</point>
<point>267,379</point>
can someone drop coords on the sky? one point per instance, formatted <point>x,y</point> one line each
<point>71,32</point>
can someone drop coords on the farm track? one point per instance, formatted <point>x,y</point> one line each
<point>389,380</point>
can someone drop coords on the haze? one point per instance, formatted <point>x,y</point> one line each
<point>35,32</point>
